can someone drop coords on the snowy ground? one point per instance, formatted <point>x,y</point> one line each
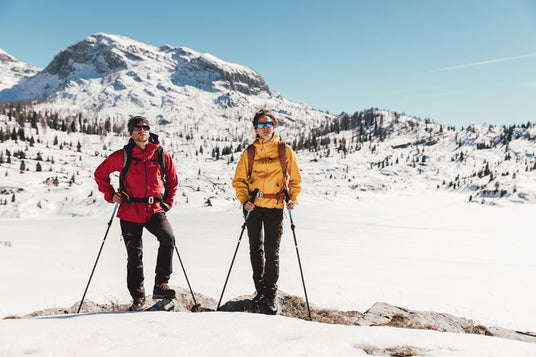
<point>416,249</point>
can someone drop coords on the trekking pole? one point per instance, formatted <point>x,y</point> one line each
<point>252,199</point>
<point>196,305</point>
<point>292,226</point>
<point>94,266</point>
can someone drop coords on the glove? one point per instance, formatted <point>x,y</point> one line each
<point>164,206</point>
<point>124,196</point>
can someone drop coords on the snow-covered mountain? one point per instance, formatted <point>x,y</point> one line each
<point>201,107</point>
<point>119,63</point>
<point>13,71</point>
<point>117,76</point>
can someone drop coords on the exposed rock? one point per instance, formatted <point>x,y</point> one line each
<point>380,314</point>
<point>395,351</point>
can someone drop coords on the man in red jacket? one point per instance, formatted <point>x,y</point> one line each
<point>144,197</point>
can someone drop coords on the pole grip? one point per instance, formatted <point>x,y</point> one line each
<point>253,195</point>
<point>287,196</point>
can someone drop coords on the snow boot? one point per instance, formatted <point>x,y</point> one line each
<point>162,291</point>
<point>269,306</point>
<point>137,304</point>
<point>257,298</point>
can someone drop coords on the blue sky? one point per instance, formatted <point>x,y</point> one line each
<point>455,62</point>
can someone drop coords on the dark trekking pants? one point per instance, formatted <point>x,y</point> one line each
<point>264,251</point>
<point>159,226</point>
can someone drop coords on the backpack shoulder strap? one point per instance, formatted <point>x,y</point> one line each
<point>283,157</point>
<point>127,160</point>
<point>162,162</point>
<point>251,159</point>
<point>283,161</point>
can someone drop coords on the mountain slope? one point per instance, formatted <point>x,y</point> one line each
<point>13,71</point>
<point>121,62</point>
<point>111,75</point>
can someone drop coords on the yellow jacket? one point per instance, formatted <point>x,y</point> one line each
<point>267,176</point>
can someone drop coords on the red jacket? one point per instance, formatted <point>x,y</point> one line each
<point>143,180</point>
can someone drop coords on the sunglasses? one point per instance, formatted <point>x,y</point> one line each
<point>139,127</point>
<point>268,124</point>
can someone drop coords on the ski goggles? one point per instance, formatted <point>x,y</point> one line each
<point>268,124</point>
<point>139,127</point>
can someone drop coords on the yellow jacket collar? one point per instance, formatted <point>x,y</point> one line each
<point>275,139</point>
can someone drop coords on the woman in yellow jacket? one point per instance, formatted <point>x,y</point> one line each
<point>262,171</point>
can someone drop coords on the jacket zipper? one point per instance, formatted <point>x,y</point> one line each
<point>146,203</point>
<point>265,166</point>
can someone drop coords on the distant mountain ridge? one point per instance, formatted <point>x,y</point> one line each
<point>13,71</point>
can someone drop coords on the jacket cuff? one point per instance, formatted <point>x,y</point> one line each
<point>109,197</point>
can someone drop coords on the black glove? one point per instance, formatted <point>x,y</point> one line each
<point>164,206</point>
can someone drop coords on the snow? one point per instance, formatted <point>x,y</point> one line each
<point>229,334</point>
<point>366,232</point>
<point>12,71</point>
<point>416,249</point>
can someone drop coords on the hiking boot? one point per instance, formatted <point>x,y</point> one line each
<point>162,291</point>
<point>269,306</point>
<point>257,298</point>
<point>137,304</point>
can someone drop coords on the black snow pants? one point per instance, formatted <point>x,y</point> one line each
<point>264,250</point>
<point>159,226</point>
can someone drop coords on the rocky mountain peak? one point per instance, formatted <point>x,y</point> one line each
<point>115,64</point>
<point>104,53</point>
<point>6,57</point>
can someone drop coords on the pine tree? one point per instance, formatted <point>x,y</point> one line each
<point>21,134</point>
<point>108,125</point>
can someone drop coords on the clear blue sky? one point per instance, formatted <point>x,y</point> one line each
<point>456,62</point>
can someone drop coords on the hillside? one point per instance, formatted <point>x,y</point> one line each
<point>58,124</point>
<point>47,160</point>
